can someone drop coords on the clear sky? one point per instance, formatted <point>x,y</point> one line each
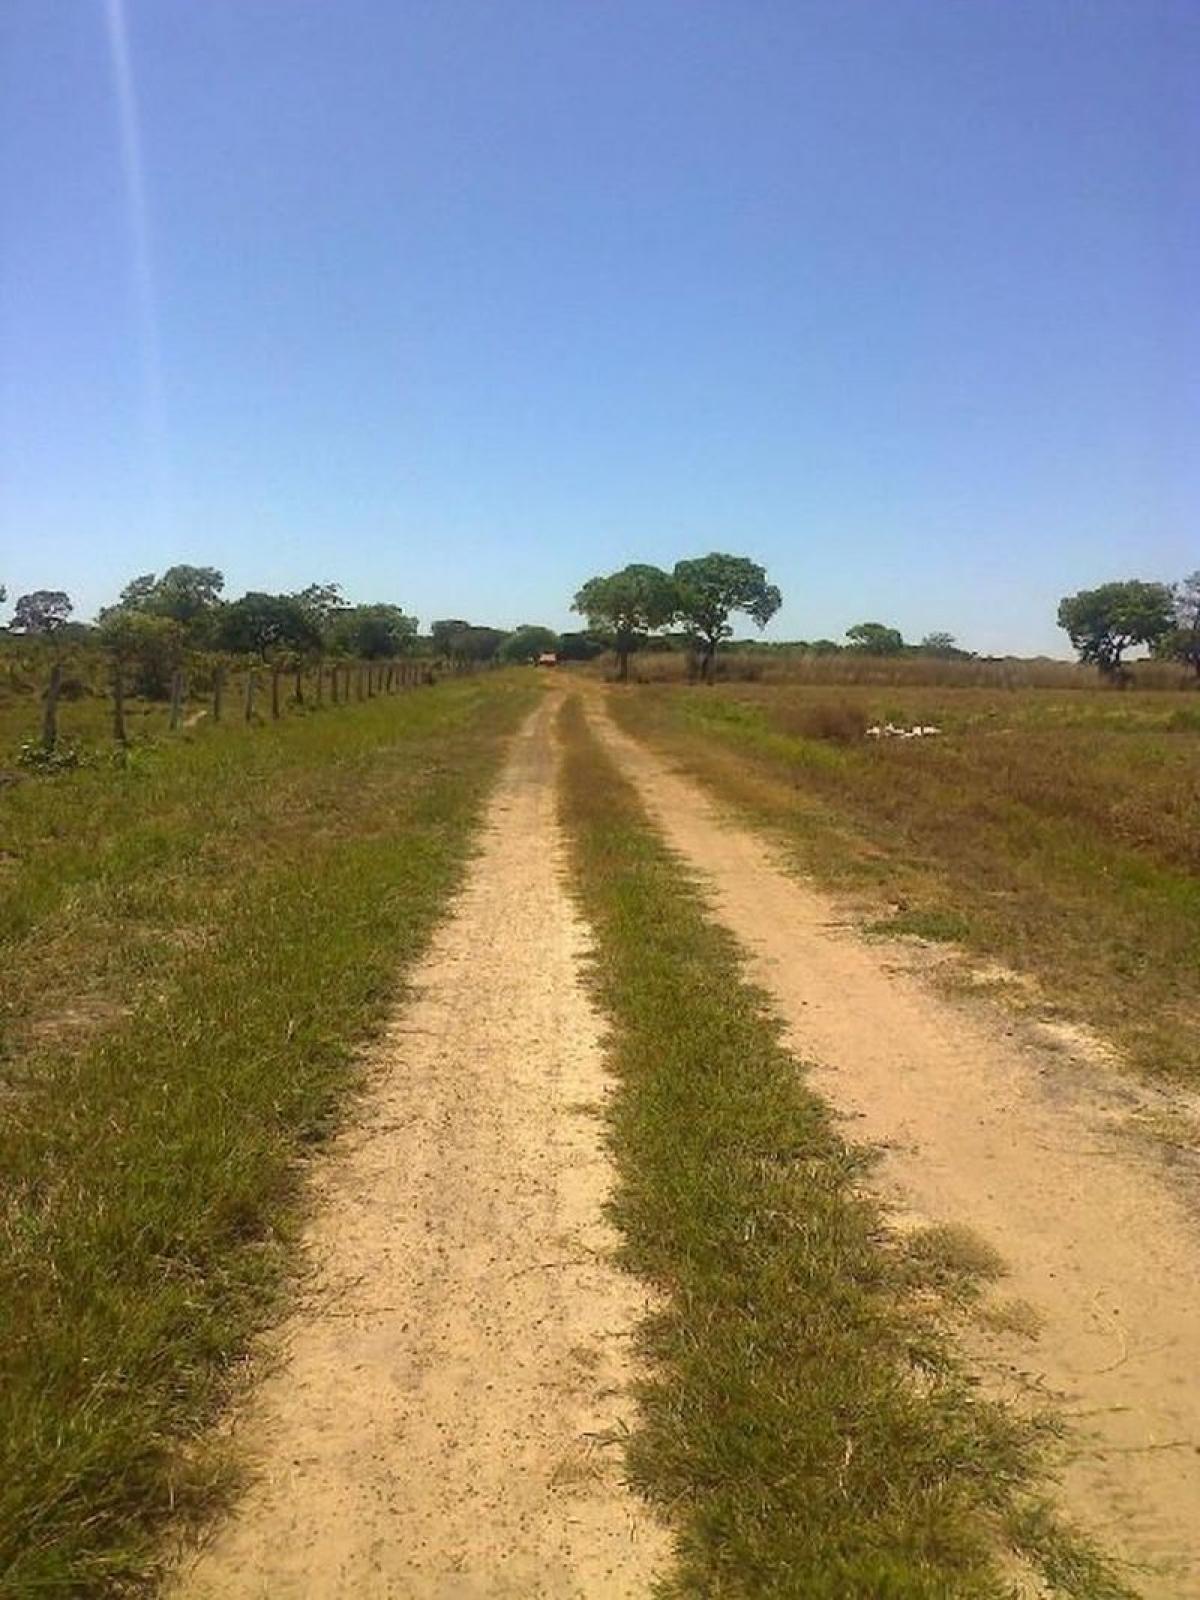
<point>458,303</point>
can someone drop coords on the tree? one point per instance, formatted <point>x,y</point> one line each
<point>464,641</point>
<point>527,643</point>
<point>152,645</point>
<point>943,645</point>
<point>446,633</point>
<point>580,646</point>
<point>265,624</point>
<point>374,632</point>
<point>628,604</point>
<point>324,603</point>
<point>875,639</point>
<point>42,612</point>
<point>1103,623</point>
<point>710,588</point>
<point>1181,642</point>
<point>183,593</point>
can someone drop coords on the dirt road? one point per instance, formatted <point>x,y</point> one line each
<point>440,1423</point>
<point>986,1130</point>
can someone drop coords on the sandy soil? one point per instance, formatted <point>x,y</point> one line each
<point>442,1420</point>
<point>986,1129</point>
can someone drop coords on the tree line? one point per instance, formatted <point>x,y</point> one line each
<point>164,629</point>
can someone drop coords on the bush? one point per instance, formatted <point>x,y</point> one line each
<point>837,722</point>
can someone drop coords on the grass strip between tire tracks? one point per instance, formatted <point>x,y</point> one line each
<point>805,1422</point>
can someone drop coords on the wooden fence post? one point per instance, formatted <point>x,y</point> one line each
<point>320,683</point>
<point>275,676</point>
<point>218,691</point>
<point>359,691</point>
<point>250,695</point>
<point>119,733</point>
<point>176,697</point>
<point>299,686</point>
<point>50,708</point>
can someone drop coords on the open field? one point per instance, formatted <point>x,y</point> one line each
<point>1057,833</point>
<point>194,943</point>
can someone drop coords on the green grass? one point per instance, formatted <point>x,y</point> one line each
<point>804,1422</point>
<point>194,945</point>
<point>1058,832</point>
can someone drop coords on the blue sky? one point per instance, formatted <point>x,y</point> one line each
<point>457,303</point>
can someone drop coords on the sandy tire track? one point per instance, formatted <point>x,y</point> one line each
<point>991,1132</point>
<point>441,1423</point>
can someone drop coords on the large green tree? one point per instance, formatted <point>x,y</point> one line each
<point>710,589</point>
<point>527,643</point>
<point>188,595</point>
<point>153,646</point>
<point>44,612</point>
<point>376,633</point>
<point>265,624</point>
<point>875,639</point>
<point>627,605</point>
<point>465,641</point>
<point>1103,623</point>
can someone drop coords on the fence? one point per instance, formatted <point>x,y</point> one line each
<point>214,691</point>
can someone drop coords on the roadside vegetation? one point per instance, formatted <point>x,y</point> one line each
<point>196,941</point>
<point>1055,832</point>
<point>804,1422</point>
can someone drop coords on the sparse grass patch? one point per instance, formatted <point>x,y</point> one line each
<point>194,944</point>
<point>804,1420</point>
<point>1057,832</point>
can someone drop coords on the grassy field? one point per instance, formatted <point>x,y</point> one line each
<point>804,1422</point>
<point>1057,832</point>
<point>194,942</point>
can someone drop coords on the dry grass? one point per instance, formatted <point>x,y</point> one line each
<point>786,666</point>
<point>1056,831</point>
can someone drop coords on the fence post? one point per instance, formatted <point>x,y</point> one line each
<point>299,686</point>
<point>50,708</point>
<point>359,691</point>
<point>320,683</point>
<point>176,697</point>
<point>119,733</point>
<point>218,690</point>
<point>275,675</point>
<point>250,695</point>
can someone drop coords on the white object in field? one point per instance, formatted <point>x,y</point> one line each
<point>889,730</point>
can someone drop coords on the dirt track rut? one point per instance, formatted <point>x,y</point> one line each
<point>441,1421</point>
<point>989,1132</point>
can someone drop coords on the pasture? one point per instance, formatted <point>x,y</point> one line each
<point>1053,830</point>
